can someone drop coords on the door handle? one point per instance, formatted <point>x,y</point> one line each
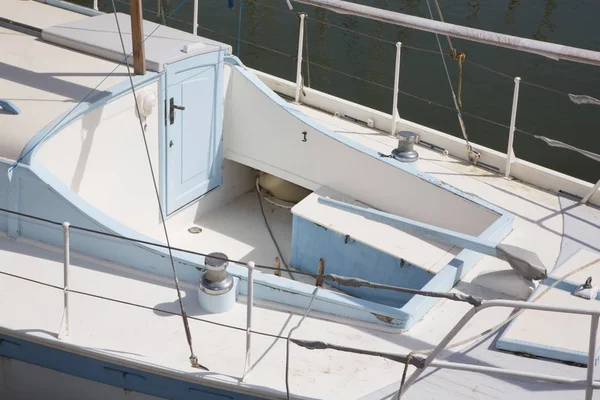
<point>172,108</point>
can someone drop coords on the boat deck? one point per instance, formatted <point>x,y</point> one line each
<point>131,333</point>
<point>542,219</point>
<point>116,329</point>
<point>554,227</point>
<point>41,90</point>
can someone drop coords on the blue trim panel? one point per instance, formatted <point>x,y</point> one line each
<point>345,256</point>
<point>97,100</point>
<point>36,191</point>
<point>162,142</point>
<point>61,204</point>
<point>7,107</point>
<point>554,353</point>
<point>111,374</point>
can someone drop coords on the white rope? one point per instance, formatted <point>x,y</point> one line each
<point>287,348</point>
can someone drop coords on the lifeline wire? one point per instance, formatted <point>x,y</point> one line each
<point>496,327</point>
<point>404,46</point>
<point>408,359</point>
<point>18,161</point>
<point>128,303</point>
<point>130,239</point>
<point>308,344</point>
<point>354,32</point>
<point>193,357</point>
<point>341,280</point>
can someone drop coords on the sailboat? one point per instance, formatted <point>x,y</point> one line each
<point>176,225</point>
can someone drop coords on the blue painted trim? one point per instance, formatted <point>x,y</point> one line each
<point>349,257</point>
<point>566,285</point>
<point>9,107</point>
<point>14,191</point>
<point>181,192</point>
<point>120,89</point>
<point>162,142</point>
<point>62,204</point>
<point>544,351</point>
<point>540,350</point>
<point>454,271</point>
<point>298,294</point>
<point>110,373</point>
<point>407,167</point>
<point>268,287</point>
<point>417,306</point>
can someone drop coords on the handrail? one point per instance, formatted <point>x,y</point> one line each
<point>414,359</point>
<point>134,240</point>
<point>510,155</point>
<point>589,383</point>
<point>551,50</point>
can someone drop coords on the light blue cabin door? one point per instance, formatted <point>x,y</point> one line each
<point>194,113</point>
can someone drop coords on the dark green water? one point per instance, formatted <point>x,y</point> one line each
<point>365,49</point>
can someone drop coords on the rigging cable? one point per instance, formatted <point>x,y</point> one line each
<point>473,156</point>
<point>354,32</point>
<point>130,239</point>
<point>262,210</point>
<point>193,358</point>
<point>496,327</point>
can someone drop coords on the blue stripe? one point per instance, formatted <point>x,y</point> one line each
<point>113,374</point>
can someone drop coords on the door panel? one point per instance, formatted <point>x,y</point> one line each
<point>194,129</point>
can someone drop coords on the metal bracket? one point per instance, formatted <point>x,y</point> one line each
<point>6,107</point>
<point>473,155</point>
<point>172,108</point>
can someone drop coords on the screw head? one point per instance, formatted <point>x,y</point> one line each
<point>194,230</point>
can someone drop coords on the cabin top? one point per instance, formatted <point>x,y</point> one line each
<point>100,36</point>
<point>544,222</point>
<point>43,84</point>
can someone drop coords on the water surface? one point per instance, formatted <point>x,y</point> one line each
<point>353,58</point>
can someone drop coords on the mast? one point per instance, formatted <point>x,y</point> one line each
<point>137,37</point>
<point>551,50</point>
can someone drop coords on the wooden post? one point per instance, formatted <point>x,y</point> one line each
<point>320,272</point>
<point>277,266</point>
<point>137,37</point>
